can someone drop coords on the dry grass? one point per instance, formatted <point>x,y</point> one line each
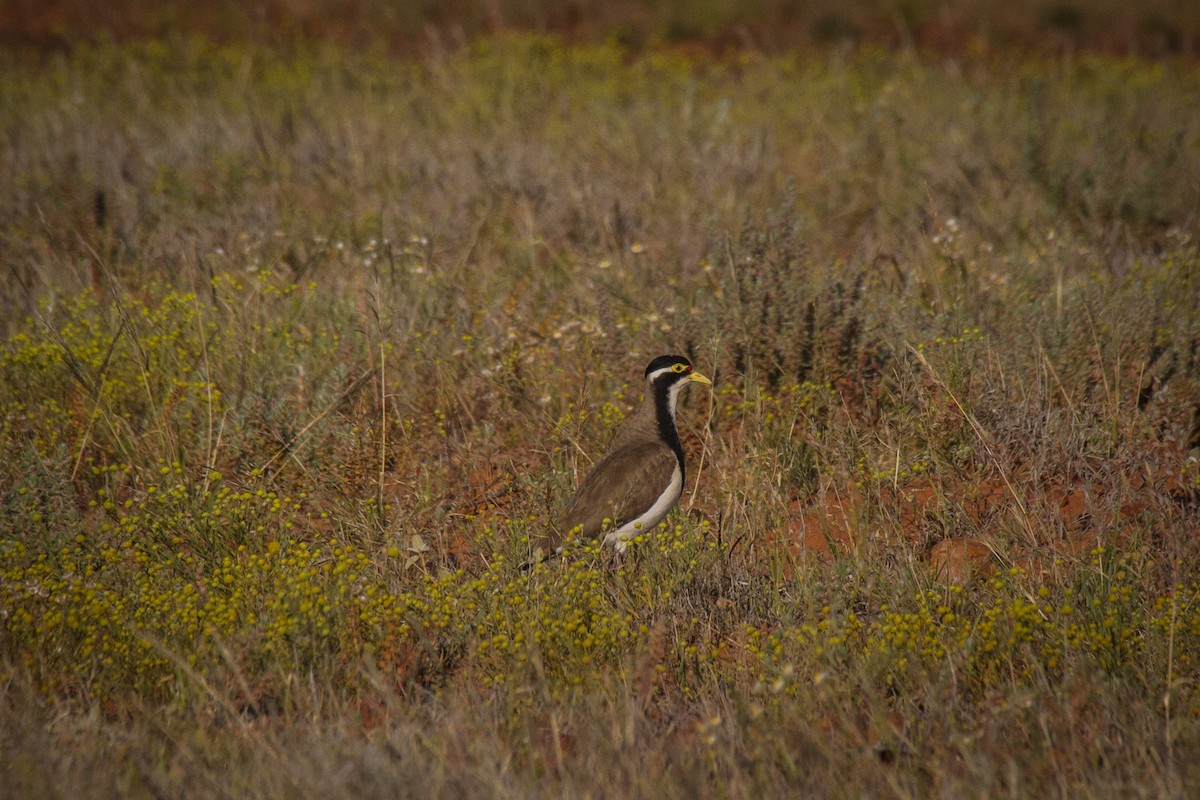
<point>299,350</point>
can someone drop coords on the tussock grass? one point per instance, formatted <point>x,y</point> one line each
<point>300,350</point>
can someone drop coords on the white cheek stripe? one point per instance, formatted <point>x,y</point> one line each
<point>675,388</point>
<point>673,395</point>
<point>648,521</point>
<point>653,376</point>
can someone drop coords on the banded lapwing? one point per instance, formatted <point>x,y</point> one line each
<point>640,478</point>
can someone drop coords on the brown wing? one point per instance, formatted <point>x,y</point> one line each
<point>622,485</point>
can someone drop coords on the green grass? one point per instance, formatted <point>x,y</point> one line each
<point>299,350</point>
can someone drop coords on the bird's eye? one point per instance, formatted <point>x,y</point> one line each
<point>679,368</point>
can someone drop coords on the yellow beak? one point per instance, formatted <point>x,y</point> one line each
<point>698,378</point>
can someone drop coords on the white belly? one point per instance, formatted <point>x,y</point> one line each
<point>654,515</point>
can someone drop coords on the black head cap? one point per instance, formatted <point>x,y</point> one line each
<point>665,362</point>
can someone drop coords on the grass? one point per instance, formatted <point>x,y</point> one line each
<point>300,349</point>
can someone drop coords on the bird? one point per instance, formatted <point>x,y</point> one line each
<point>639,479</point>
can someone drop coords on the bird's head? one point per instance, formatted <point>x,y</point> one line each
<point>667,375</point>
